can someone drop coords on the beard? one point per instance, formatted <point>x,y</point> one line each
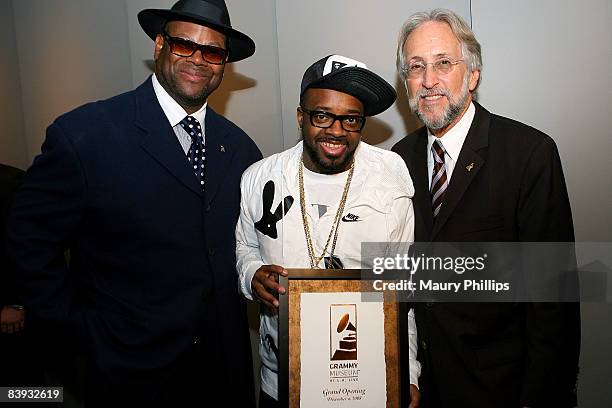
<point>436,121</point>
<point>326,165</point>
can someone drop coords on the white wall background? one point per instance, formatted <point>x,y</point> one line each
<point>12,142</point>
<point>546,63</point>
<point>70,52</point>
<point>549,64</point>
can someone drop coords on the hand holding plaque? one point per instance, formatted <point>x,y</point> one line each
<point>265,284</point>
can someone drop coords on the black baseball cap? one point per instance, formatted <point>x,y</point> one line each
<point>352,77</point>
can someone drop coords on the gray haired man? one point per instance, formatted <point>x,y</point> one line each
<point>480,177</point>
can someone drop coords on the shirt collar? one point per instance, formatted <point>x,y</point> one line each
<point>175,112</point>
<point>454,138</point>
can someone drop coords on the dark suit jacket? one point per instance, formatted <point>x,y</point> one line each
<point>496,354</point>
<point>10,178</point>
<point>147,247</point>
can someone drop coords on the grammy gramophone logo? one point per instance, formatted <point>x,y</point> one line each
<point>343,332</point>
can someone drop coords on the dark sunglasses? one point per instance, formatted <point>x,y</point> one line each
<point>186,48</point>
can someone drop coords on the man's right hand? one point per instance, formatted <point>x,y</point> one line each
<point>265,284</point>
<point>11,320</point>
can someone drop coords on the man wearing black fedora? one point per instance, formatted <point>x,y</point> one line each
<point>143,189</point>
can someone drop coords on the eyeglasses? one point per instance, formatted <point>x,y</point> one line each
<point>441,67</point>
<point>321,119</point>
<point>185,48</point>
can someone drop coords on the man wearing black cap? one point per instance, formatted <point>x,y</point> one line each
<point>313,205</point>
<point>143,189</point>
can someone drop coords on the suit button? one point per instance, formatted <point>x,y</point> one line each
<point>424,345</point>
<point>197,340</point>
<point>208,208</point>
<point>211,251</point>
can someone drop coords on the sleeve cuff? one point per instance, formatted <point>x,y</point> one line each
<point>415,372</point>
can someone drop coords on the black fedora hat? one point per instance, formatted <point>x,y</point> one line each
<point>210,13</point>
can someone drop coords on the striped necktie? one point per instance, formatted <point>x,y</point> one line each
<point>439,181</point>
<point>197,149</point>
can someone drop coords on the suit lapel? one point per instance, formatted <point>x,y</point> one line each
<point>158,138</point>
<point>219,153</point>
<point>469,163</point>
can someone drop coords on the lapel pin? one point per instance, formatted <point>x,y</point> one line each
<point>222,149</point>
<point>469,167</point>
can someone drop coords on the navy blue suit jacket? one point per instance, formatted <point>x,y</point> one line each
<point>147,247</point>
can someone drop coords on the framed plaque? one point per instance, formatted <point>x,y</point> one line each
<point>338,346</point>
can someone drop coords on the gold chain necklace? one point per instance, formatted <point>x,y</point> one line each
<point>314,260</point>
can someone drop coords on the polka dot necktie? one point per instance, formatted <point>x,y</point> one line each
<point>196,152</point>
